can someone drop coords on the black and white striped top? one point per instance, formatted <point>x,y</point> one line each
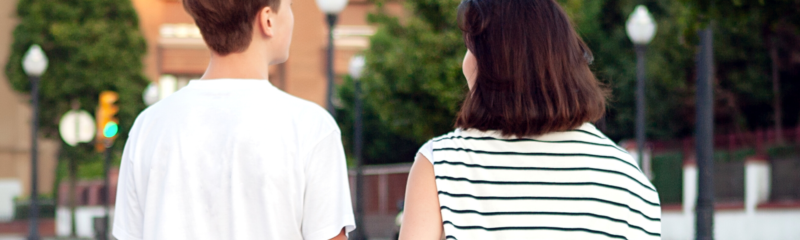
<point>567,185</point>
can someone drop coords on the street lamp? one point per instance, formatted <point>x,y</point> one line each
<point>331,8</point>
<point>641,28</point>
<point>356,69</point>
<point>34,63</point>
<point>704,132</point>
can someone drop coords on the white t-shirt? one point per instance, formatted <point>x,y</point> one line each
<point>233,159</point>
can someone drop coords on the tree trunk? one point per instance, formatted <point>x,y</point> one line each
<point>776,91</point>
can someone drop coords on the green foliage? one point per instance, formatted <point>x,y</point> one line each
<point>783,152</point>
<point>414,85</point>
<point>413,76</point>
<point>92,45</point>
<point>668,177</point>
<point>739,155</point>
<point>668,168</point>
<point>744,32</point>
<point>743,88</point>
<point>381,146</point>
<point>697,14</point>
<point>47,208</point>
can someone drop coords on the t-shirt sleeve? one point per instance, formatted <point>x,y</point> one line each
<point>327,207</point>
<point>427,150</point>
<point>128,217</point>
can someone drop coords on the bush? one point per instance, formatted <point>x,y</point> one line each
<point>668,177</point>
<point>47,209</point>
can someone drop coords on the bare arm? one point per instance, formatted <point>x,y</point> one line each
<point>422,219</point>
<point>341,236</point>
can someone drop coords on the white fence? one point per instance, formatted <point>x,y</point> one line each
<point>754,219</point>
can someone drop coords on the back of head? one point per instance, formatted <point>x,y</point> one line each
<point>533,73</point>
<point>227,25</point>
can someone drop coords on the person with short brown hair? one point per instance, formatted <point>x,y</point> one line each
<point>525,162</point>
<point>230,156</point>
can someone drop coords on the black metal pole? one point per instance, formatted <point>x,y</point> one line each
<point>640,103</point>
<point>107,186</point>
<point>33,229</point>
<point>328,97</point>
<point>359,143</point>
<point>704,221</point>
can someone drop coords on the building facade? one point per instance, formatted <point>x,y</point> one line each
<point>177,53</point>
<point>15,131</point>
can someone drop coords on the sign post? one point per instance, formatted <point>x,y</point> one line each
<point>76,126</point>
<point>107,129</point>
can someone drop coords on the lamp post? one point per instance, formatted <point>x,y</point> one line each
<point>356,68</point>
<point>704,146</point>
<point>641,28</point>
<point>34,63</point>
<point>331,8</point>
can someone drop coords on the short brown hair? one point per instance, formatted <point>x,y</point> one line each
<point>227,25</point>
<point>533,69</point>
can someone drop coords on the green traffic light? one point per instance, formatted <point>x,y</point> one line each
<point>110,129</point>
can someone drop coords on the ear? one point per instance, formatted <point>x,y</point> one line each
<point>265,22</point>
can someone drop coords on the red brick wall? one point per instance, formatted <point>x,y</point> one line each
<point>88,193</point>
<point>47,228</point>
<point>190,61</point>
<point>382,200</point>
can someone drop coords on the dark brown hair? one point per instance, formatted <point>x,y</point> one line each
<point>227,25</point>
<point>533,69</point>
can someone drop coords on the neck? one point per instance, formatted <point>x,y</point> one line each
<point>243,65</point>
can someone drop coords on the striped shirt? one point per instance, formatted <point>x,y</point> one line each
<point>567,185</point>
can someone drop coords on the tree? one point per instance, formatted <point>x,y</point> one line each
<point>414,68</point>
<point>753,35</point>
<point>92,45</point>
<point>413,80</point>
<point>602,25</point>
<point>412,84</point>
<point>382,145</point>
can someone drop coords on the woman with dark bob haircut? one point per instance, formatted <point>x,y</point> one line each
<point>525,162</point>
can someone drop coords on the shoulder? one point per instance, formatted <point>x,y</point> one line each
<point>427,149</point>
<point>310,125</point>
<point>455,134</point>
<point>597,144</point>
<point>308,109</point>
<point>588,132</point>
<point>308,115</point>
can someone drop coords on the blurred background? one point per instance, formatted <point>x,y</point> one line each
<point>406,89</point>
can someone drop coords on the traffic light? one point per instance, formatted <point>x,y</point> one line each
<point>107,122</point>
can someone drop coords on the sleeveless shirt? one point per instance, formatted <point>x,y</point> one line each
<point>576,184</point>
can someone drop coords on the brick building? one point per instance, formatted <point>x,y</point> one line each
<point>177,53</point>
<point>15,131</point>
